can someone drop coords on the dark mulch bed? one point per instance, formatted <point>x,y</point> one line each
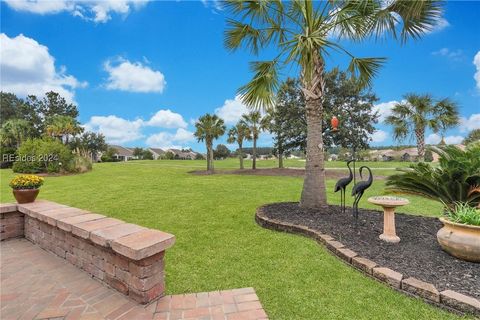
<point>417,255</point>
<point>288,172</point>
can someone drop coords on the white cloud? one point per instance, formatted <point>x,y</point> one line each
<point>183,135</point>
<point>453,139</point>
<point>455,55</point>
<point>93,10</point>
<point>441,24</point>
<point>470,123</point>
<point>476,62</point>
<point>28,68</point>
<point>378,136</point>
<point>116,130</point>
<point>434,138</point>
<point>167,119</point>
<point>384,109</point>
<point>232,110</point>
<point>216,4</point>
<point>170,140</point>
<point>134,77</point>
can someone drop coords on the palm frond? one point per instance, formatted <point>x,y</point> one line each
<point>238,34</point>
<point>418,17</point>
<point>365,69</point>
<point>457,179</point>
<point>259,92</point>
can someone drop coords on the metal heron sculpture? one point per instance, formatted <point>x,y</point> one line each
<point>359,188</point>
<point>342,184</point>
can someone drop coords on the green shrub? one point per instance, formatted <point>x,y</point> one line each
<point>81,164</point>
<point>457,179</point>
<point>463,213</point>
<point>109,155</point>
<point>7,157</point>
<point>43,155</point>
<point>428,157</point>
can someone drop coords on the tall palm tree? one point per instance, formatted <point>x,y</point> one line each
<point>256,123</point>
<point>417,113</point>
<point>208,128</point>
<point>14,132</point>
<point>239,133</point>
<point>304,32</point>
<point>61,127</point>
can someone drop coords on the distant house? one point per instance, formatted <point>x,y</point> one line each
<point>333,157</point>
<point>183,154</point>
<point>157,152</point>
<point>122,153</point>
<point>409,154</point>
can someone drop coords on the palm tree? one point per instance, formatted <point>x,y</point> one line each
<point>304,32</point>
<point>238,134</point>
<point>60,126</point>
<point>14,132</point>
<point>256,123</point>
<point>416,113</point>
<point>208,128</point>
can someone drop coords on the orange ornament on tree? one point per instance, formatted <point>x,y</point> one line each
<point>334,122</point>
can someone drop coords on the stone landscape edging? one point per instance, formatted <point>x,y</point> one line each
<point>447,299</point>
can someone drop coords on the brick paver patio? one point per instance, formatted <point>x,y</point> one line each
<point>36,284</point>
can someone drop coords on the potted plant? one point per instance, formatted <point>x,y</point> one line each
<point>456,184</point>
<point>460,235</point>
<point>26,187</point>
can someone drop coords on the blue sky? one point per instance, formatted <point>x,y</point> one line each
<point>142,72</point>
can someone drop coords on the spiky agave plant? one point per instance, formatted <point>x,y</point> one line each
<point>456,179</point>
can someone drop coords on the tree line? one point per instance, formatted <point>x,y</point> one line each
<point>286,121</point>
<point>50,124</point>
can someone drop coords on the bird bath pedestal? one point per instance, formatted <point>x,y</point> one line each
<point>389,204</point>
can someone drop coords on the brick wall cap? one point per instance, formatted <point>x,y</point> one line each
<point>83,229</point>
<point>34,208</point>
<point>105,236</point>
<point>8,207</point>
<point>51,216</point>
<point>143,244</point>
<point>66,223</point>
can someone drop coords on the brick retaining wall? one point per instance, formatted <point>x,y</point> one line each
<point>11,225</point>
<point>127,257</point>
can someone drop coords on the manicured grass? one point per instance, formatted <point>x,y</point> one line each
<point>219,245</point>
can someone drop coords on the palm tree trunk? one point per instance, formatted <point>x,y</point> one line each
<point>209,147</point>
<point>211,158</point>
<point>420,134</point>
<point>314,194</point>
<point>254,155</point>
<point>240,150</point>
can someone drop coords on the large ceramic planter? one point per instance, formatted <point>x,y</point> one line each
<point>25,195</point>
<point>460,240</point>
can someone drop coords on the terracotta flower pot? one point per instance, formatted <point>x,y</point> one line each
<point>460,240</point>
<point>25,195</point>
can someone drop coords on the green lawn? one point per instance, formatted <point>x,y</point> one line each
<point>219,245</point>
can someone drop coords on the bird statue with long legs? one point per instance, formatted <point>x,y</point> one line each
<point>342,184</point>
<point>359,188</point>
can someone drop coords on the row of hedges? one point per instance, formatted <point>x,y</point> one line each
<point>45,155</point>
